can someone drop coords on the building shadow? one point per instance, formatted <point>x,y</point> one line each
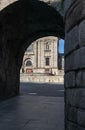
<point>42,89</point>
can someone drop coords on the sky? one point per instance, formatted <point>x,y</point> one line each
<point>61,46</point>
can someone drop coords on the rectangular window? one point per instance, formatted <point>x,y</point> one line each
<point>47,46</point>
<point>46,61</point>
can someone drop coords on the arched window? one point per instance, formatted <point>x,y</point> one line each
<point>28,63</point>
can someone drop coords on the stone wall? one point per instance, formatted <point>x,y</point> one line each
<point>75,65</point>
<point>59,79</point>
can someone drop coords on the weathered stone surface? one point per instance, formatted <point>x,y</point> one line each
<point>73,126</point>
<point>67,4</point>
<point>75,14</point>
<point>81,117</point>
<point>71,40</point>
<point>72,114</point>
<point>69,62</point>
<point>80,78</point>
<point>82,33</point>
<point>71,97</point>
<point>75,60</point>
<point>77,116</point>
<point>76,97</point>
<point>70,79</point>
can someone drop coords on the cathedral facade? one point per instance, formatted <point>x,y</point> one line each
<point>42,58</point>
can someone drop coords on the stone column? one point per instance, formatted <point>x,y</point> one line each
<point>74,64</point>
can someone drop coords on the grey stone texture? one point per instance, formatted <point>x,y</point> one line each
<point>75,106</point>
<point>73,126</point>
<point>81,117</point>
<point>77,116</point>
<point>75,14</point>
<point>82,34</point>
<point>67,4</point>
<point>80,78</point>
<point>75,38</point>
<point>71,40</point>
<point>75,60</point>
<point>70,79</point>
<point>75,65</point>
<point>75,97</point>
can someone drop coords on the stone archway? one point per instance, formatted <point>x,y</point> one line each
<point>17,26</point>
<point>22,21</point>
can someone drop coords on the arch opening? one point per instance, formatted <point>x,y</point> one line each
<point>43,78</point>
<point>28,63</point>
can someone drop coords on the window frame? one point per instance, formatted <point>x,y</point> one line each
<point>47,61</point>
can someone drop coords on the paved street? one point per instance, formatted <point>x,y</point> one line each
<point>38,107</point>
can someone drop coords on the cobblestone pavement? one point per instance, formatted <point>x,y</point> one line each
<point>38,107</point>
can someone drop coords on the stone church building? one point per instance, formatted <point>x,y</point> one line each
<point>41,58</point>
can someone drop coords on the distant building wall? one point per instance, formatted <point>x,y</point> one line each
<point>42,79</point>
<point>42,57</point>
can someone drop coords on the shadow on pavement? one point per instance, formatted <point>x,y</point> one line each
<point>42,89</point>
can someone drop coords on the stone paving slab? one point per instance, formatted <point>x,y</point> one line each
<point>32,112</point>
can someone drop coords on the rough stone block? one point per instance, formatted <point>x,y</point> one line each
<point>80,79</point>
<point>71,126</point>
<point>68,64</point>
<point>82,33</point>
<point>67,4</point>
<point>72,114</point>
<point>72,40</point>
<point>79,61</point>
<point>70,79</point>
<point>72,97</point>
<point>75,14</point>
<point>75,97</point>
<point>81,117</point>
<point>75,60</point>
